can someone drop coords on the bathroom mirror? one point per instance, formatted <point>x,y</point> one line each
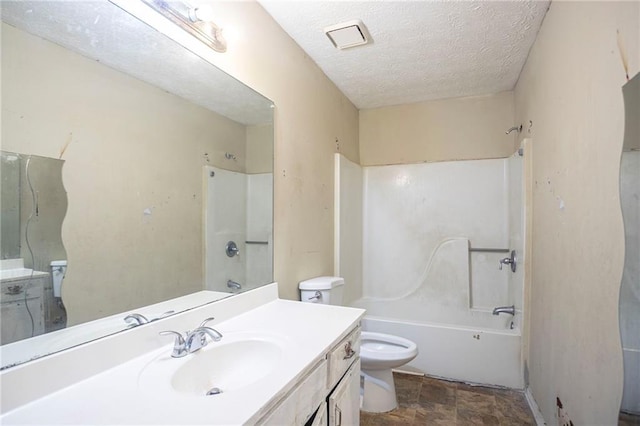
<point>630,287</point>
<point>164,159</point>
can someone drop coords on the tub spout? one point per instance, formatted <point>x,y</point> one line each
<point>511,310</point>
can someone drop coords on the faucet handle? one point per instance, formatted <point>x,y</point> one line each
<point>179,344</point>
<point>163,315</point>
<point>203,323</point>
<point>212,332</point>
<point>135,320</point>
<point>197,339</point>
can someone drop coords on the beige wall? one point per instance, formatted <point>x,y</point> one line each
<point>260,149</point>
<point>313,119</point>
<point>131,147</point>
<point>571,89</point>
<point>449,129</point>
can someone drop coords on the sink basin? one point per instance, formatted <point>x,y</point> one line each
<point>229,365</point>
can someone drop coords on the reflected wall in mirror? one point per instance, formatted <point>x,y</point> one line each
<point>138,120</point>
<point>630,288</point>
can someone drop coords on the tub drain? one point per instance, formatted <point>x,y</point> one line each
<point>214,391</point>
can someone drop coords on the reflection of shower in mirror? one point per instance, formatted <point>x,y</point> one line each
<point>629,310</point>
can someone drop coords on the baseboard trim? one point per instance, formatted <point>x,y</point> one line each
<point>535,410</point>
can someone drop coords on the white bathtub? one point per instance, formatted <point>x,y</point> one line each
<point>477,347</point>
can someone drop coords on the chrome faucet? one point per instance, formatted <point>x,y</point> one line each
<point>511,310</point>
<point>135,320</point>
<point>233,285</point>
<point>194,340</point>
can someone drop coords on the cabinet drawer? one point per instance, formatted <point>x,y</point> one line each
<point>34,291</point>
<point>342,356</point>
<point>301,401</point>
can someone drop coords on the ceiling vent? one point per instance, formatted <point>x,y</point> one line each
<point>348,34</point>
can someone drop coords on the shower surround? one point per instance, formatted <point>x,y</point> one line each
<point>421,277</point>
<point>238,208</point>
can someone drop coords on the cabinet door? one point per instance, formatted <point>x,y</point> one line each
<point>344,402</point>
<point>301,401</point>
<point>16,322</point>
<point>321,416</point>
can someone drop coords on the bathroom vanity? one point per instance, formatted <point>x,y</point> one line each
<point>20,286</point>
<point>278,362</point>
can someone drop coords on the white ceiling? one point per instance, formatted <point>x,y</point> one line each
<point>422,50</point>
<point>102,31</point>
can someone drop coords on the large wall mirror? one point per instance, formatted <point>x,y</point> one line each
<point>136,177</point>
<point>630,288</point>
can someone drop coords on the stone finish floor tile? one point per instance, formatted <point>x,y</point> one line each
<point>438,391</point>
<point>427,401</point>
<point>475,402</point>
<point>628,420</point>
<point>436,414</point>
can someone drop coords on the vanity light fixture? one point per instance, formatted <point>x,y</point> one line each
<point>196,20</point>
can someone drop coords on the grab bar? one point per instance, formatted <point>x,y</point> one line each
<point>492,250</point>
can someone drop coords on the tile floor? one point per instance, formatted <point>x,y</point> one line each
<point>628,420</point>
<point>428,401</point>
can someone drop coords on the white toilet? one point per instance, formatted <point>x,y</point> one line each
<point>58,269</point>
<point>379,353</point>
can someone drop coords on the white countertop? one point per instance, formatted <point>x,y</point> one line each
<point>116,397</point>
<point>44,344</point>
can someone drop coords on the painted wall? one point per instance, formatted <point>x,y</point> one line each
<point>151,161</point>
<point>313,120</point>
<point>570,88</point>
<point>449,129</point>
<point>260,149</point>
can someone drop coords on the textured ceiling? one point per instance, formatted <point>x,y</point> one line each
<point>102,31</point>
<point>422,50</point>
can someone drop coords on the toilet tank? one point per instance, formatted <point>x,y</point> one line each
<point>58,269</point>
<point>325,290</point>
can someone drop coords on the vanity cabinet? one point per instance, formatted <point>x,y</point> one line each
<point>344,401</point>
<point>14,316</point>
<point>329,395</point>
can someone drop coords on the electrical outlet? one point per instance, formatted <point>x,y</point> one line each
<point>563,416</point>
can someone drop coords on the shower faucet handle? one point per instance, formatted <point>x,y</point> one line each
<point>509,261</point>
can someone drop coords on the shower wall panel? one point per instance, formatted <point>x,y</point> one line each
<point>225,220</point>
<point>259,225</point>
<point>348,226</point>
<point>410,211</point>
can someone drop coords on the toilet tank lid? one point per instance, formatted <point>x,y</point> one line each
<point>321,283</point>
<point>58,263</point>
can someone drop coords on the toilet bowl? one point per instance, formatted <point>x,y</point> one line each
<point>379,353</point>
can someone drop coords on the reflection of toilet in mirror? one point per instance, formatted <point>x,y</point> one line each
<point>58,271</point>
<point>379,352</point>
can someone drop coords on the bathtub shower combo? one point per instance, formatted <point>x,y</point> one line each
<point>435,252</point>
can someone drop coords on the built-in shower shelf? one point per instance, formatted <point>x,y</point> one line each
<point>257,242</point>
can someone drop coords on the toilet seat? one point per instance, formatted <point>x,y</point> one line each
<point>379,351</point>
